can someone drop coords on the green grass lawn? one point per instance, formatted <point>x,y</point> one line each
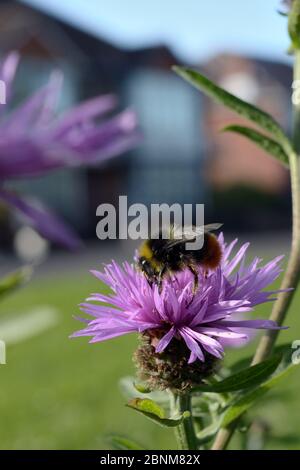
<point>58,393</point>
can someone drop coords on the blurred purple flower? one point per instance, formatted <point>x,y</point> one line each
<point>33,141</point>
<point>204,322</point>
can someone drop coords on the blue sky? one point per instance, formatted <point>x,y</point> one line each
<point>194,29</point>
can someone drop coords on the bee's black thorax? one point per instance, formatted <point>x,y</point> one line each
<point>174,257</point>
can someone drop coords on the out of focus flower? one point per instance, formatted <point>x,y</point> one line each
<point>176,322</point>
<point>34,141</point>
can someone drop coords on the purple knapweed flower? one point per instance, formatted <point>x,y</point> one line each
<point>203,321</point>
<point>34,141</point>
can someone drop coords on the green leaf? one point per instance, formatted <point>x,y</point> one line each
<point>262,141</point>
<point>142,388</point>
<point>242,403</point>
<point>200,406</point>
<point>129,391</point>
<point>294,24</point>
<point>282,13</point>
<point>14,280</point>
<point>30,323</point>
<point>246,378</point>
<point>153,411</point>
<point>147,406</point>
<point>208,433</point>
<point>243,108</point>
<point>282,349</point>
<point>123,443</point>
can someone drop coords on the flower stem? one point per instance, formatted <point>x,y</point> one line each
<point>291,275</point>
<point>296,103</point>
<point>185,432</point>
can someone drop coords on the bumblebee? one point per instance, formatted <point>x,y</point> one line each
<point>160,256</point>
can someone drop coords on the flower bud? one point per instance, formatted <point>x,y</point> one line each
<point>170,369</point>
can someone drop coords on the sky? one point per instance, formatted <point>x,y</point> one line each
<point>193,29</point>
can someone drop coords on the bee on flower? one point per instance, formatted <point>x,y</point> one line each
<point>183,332</point>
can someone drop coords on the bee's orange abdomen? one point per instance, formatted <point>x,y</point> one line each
<point>212,252</point>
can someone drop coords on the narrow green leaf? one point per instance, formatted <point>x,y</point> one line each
<point>153,411</point>
<point>282,349</point>
<point>14,280</point>
<point>246,378</point>
<point>282,13</point>
<point>262,141</point>
<point>244,402</point>
<point>19,328</point>
<point>123,443</point>
<point>241,107</point>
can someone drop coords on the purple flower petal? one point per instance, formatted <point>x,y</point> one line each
<point>42,220</point>
<point>222,333</point>
<point>165,340</point>
<point>257,324</point>
<point>34,141</point>
<point>192,345</point>
<point>79,115</point>
<point>7,71</point>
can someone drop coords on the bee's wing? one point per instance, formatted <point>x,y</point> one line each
<point>179,236</point>
<point>182,235</point>
<point>192,232</point>
<point>189,234</point>
<point>211,227</point>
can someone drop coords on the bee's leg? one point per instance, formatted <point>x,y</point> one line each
<point>150,281</point>
<point>159,283</point>
<point>160,278</point>
<point>194,271</point>
<point>149,277</point>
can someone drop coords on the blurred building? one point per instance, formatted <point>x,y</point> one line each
<point>183,157</point>
<point>168,165</point>
<point>249,186</point>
